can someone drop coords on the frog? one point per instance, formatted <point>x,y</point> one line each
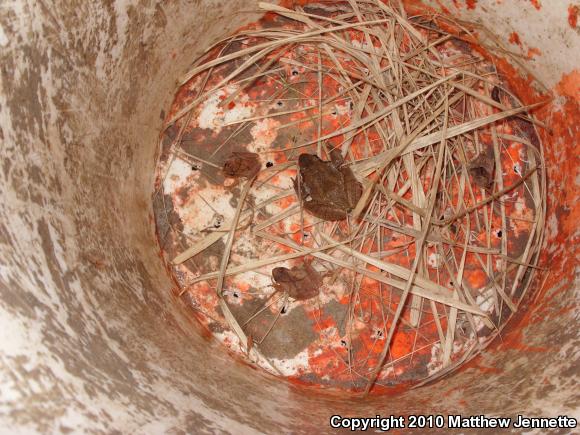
<point>242,164</point>
<point>481,169</point>
<point>329,189</point>
<point>301,282</point>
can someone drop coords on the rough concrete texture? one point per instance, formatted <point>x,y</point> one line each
<point>92,339</point>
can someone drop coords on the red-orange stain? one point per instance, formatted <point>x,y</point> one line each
<point>515,38</point>
<point>243,286</point>
<point>536,4</point>
<point>402,345</point>
<point>570,85</point>
<point>471,4</point>
<point>573,15</point>
<point>533,52</point>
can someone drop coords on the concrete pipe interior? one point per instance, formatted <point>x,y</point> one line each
<point>92,337</point>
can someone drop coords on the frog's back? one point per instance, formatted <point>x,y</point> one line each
<point>324,181</point>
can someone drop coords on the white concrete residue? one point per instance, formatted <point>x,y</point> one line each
<point>3,38</point>
<point>197,212</point>
<point>434,364</point>
<point>263,134</point>
<point>178,174</point>
<point>58,248</point>
<point>292,366</point>
<point>485,301</point>
<point>228,338</point>
<point>256,281</point>
<point>241,110</point>
<point>552,227</point>
<point>363,45</point>
<point>434,260</point>
<point>210,112</point>
<point>212,116</point>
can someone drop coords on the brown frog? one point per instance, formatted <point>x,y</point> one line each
<point>302,282</point>
<point>329,189</point>
<point>481,169</point>
<point>242,164</point>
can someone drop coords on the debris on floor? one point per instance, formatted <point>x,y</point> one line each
<point>350,197</point>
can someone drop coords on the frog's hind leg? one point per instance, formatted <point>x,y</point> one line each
<point>324,211</point>
<point>352,187</point>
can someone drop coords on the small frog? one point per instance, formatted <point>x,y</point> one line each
<point>302,282</point>
<point>242,164</point>
<point>329,189</point>
<point>481,169</point>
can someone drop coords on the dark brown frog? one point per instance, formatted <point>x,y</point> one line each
<point>329,189</point>
<point>302,282</point>
<point>242,164</point>
<point>481,170</point>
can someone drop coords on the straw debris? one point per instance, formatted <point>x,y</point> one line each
<point>444,240</point>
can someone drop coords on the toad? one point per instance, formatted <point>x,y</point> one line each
<point>242,164</point>
<point>302,282</point>
<point>481,170</point>
<point>329,189</point>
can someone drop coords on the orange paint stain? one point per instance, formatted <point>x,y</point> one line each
<point>573,15</point>
<point>515,38</point>
<point>471,4</point>
<point>533,52</point>
<point>536,4</point>
<point>570,85</point>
